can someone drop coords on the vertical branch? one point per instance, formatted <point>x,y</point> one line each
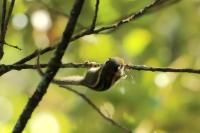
<point>3,18</point>
<point>52,69</point>
<point>4,24</point>
<point>93,25</point>
<point>2,27</point>
<point>8,17</point>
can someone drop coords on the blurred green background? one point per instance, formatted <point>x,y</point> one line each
<point>145,102</point>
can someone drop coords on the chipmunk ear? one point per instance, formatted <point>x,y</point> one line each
<point>109,59</point>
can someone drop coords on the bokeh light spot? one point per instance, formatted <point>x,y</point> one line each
<point>41,20</point>
<point>19,21</point>
<point>107,109</point>
<point>122,90</point>
<point>41,39</point>
<point>162,80</point>
<point>136,41</point>
<point>6,110</point>
<point>97,48</point>
<point>44,122</point>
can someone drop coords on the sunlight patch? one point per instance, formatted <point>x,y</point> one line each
<point>136,41</point>
<point>44,123</point>
<point>162,80</point>
<point>41,20</point>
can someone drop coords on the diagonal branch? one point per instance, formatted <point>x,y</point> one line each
<point>89,101</point>
<point>34,54</point>
<point>26,59</point>
<point>12,46</point>
<point>133,16</point>
<point>52,69</point>
<point>147,9</point>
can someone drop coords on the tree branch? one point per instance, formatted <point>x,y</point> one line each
<point>34,54</point>
<point>86,99</point>
<point>52,69</point>
<point>162,69</point>
<point>133,16</point>
<point>87,65</point>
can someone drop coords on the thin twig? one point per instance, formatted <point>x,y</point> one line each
<point>52,69</point>
<point>89,101</point>
<point>26,59</point>
<point>34,54</point>
<point>86,65</point>
<point>8,16</point>
<point>162,69</point>
<point>93,25</point>
<point>147,9</point>
<point>13,46</point>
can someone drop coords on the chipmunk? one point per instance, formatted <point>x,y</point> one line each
<point>98,78</point>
